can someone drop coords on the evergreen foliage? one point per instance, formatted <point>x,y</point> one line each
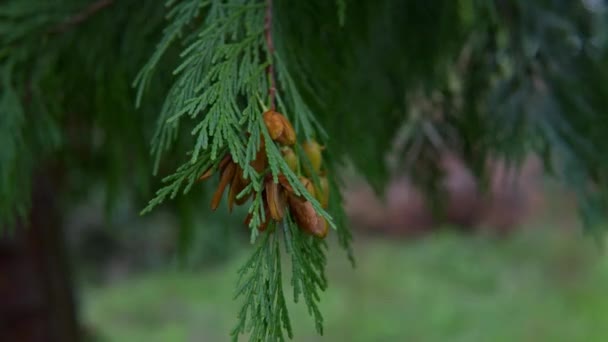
<point>223,76</point>
<point>481,78</point>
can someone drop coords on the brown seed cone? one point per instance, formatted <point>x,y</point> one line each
<point>285,184</point>
<point>261,159</point>
<point>274,124</point>
<point>275,199</point>
<point>206,174</point>
<point>279,128</point>
<point>226,178</point>
<point>308,185</point>
<point>227,158</point>
<point>289,134</point>
<point>236,186</point>
<point>242,185</point>
<point>304,214</point>
<point>224,162</point>
<point>322,228</point>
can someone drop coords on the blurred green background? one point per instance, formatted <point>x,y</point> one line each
<point>545,281</point>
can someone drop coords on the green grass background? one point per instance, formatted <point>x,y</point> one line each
<point>537,285</point>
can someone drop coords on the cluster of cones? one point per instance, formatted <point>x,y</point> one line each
<point>278,197</point>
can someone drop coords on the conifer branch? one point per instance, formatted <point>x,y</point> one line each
<point>225,66</point>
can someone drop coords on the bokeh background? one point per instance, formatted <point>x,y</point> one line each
<point>520,270</point>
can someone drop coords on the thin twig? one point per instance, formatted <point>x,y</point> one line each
<point>82,16</point>
<point>270,46</point>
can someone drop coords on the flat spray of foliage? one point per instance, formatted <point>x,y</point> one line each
<point>482,79</point>
<point>221,88</point>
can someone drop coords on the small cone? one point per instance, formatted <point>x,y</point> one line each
<point>274,124</point>
<point>227,176</point>
<point>304,214</point>
<point>321,229</point>
<point>275,200</point>
<point>308,185</point>
<point>313,152</point>
<point>290,158</point>
<point>322,193</point>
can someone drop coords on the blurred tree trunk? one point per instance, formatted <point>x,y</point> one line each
<point>36,294</point>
